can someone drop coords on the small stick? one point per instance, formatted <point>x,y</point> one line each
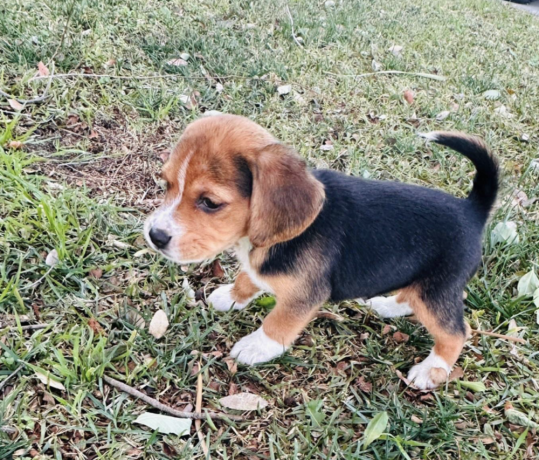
<point>164,408</point>
<point>13,374</point>
<point>397,72</point>
<point>33,327</point>
<point>499,336</point>
<point>198,408</point>
<point>294,36</point>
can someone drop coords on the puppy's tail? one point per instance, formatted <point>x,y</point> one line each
<point>486,181</point>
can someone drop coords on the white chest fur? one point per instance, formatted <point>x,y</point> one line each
<point>242,251</point>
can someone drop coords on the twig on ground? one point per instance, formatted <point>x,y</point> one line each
<point>398,72</point>
<point>499,336</point>
<point>35,100</point>
<point>24,288</point>
<point>34,327</point>
<point>198,408</point>
<point>13,374</point>
<point>294,36</point>
<point>164,408</point>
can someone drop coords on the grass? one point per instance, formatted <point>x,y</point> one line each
<point>85,177</point>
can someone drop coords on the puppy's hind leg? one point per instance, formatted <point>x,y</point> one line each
<point>442,315</point>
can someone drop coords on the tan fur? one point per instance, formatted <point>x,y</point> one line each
<point>243,288</point>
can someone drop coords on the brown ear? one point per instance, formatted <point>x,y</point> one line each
<point>286,197</point>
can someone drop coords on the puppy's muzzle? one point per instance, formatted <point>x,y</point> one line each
<point>159,238</point>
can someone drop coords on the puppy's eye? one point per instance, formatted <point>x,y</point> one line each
<point>207,205</point>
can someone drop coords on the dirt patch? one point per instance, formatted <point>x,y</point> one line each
<point>119,163</point>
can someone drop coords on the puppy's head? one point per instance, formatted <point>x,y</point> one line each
<point>228,178</point>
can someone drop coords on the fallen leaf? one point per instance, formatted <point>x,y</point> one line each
<point>409,96</point>
<point>442,115</point>
<point>110,63</point>
<point>375,428</point>
<point>504,232</point>
<point>52,258</point>
<point>330,315</point>
<point>232,389</point>
<point>329,4</point>
<point>219,88</point>
<point>386,329</point>
<point>326,147</point>
<point>47,380</point>
<point>96,273</point>
<point>525,137</point>
<point>396,50</point>
<point>165,423</point>
<point>16,145</point>
<point>216,269</point>
<point>42,69</point>
<point>158,324</point>
<point>177,62</point>
<point>231,364</point>
<point>185,56</point>
<point>528,284</point>
<point>243,401</point>
<point>517,417</point>
<point>284,89</point>
<point>400,337</point>
<point>456,374</point>
<point>520,198</point>
<point>95,326</point>
<point>363,384</point>
<point>417,420</point>
<point>477,387</point>
<point>15,105</point>
<point>491,94</point>
<point>93,135</point>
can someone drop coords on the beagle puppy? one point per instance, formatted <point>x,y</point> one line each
<point>309,236</point>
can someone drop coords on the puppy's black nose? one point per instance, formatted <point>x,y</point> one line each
<point>159,238</point>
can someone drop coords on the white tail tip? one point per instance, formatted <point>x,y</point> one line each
<point>432,136</point>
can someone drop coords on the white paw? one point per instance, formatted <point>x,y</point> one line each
<point>429,373</point>
<point>222,300</point>
<point>388,307</point>
<point>257,348</point>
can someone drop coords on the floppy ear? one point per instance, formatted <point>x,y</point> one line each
<point>286,198</point>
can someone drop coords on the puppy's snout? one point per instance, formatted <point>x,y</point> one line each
<point>159,238</point>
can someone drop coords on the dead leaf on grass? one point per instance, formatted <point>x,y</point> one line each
<point>96,273</point>
<point>363,384</point>
<point>42,69</point>
<point>95,326</point>
<point>243,401</point>
<point>15,105</point>
<point>177,62</point>
<point>216,269</point>
<point>158,324</point>
<point>401,337</point>
<point>231,364</point>
<point>409,96</point>
<point>50,382</point>
<point>417,420</point>
<point>396,50</point>
<point>442,115</point>
<point>52,258</point>
<point>456,374</point>
<point>15,145</point>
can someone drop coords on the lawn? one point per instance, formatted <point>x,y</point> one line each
<point>79,172</point>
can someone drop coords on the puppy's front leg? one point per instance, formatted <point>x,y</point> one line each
<point>237,295</point>
<point>279,330</point>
